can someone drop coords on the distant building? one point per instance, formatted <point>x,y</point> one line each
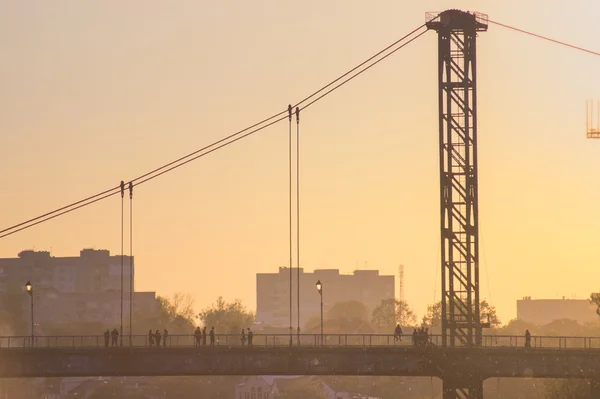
<point>91,271</point>
<point>272,387</point>
<point>84,289</point>
<point>273,293</point>
<point>543,311</point>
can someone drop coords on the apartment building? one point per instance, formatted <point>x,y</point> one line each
<point>273,292</point>
<point>543,311</point>
<point>84,289</point>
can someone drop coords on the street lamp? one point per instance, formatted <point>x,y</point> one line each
<point>29,289</point>
<point>320,289</point>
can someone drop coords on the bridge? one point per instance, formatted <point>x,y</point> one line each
<point>461,356</point>
<point>331,354</point>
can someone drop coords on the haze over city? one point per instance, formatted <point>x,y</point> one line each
<point>92,96</point>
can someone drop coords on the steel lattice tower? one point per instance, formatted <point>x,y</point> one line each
<point>461,322</point>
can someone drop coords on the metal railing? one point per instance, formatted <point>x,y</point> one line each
<point>283,340</point>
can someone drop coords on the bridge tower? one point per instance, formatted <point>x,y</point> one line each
<point>457,79</point>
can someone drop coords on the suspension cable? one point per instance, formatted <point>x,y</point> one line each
<point>121,327</point>
<point>298,217</point>
<point>130,263</point>
<point>198,153</point>
<point>290,209</point>
<point>545,38</point>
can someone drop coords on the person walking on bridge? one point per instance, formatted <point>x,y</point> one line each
<point>157,337</point>
<point>398,333</point>
<point>115,337</point>
<point>212,336</point>
<point>150,338</point>
<point>197,336</point>
<point>250,337</point>
<point>106,338</point>
<point>243,337</point>
<point>165,335</point>
<point>527,339</point>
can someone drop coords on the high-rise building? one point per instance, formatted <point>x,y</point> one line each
<point>91,271</point>
<point>74,290</point>
<point>273,293</point>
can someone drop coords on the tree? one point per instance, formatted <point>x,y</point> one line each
<point>174,314</point>
<point>487,313</point>
<point>391,312</point>
<point>433,317</point>
<point>595,299</point>
<point>227,317</point>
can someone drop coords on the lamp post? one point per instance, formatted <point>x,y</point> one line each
<point>320,289</point>
<point>29,289</point>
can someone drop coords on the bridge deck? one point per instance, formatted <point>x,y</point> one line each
<point>366,361</point>
<point>305,340</point>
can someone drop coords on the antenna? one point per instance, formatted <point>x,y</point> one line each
<point>401,282</point>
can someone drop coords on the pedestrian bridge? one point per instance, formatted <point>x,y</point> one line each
<point>366,355</point>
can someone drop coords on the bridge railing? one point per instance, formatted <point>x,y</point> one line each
<point>283,340</point>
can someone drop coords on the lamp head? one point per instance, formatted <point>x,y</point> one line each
<point>29,287</point>
<point>319,286</point>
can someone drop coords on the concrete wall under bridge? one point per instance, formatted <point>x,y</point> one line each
<point>381,361</point>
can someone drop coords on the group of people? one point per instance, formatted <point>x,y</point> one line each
<point>200,336</point>
<point>154,338</point>
<point>420,336</point>
<point>249,336</point>
<point>111,337</point>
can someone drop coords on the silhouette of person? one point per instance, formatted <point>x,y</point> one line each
<point>157,337</point>
<point>106,338</point>
<point>150,338</point>
<point>204,336</point>
<point>398,333</point>
<point>115,337</point>
<point>243,337</point>
<point>212,336</point>
<point>414,337</point>
<point>527,339</point>
<point>197,336</point>
<point>250,337</point>
<point>165,335</point>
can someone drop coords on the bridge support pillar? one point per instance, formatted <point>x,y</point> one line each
<point>595,389</point>
<point>461,388</point>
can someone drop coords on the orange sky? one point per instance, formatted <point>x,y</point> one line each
<point>93,94</point>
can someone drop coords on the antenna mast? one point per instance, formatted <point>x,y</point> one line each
<point>401,282</point>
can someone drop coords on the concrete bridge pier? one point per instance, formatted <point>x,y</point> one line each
<point>456,387</point>
<point>595,389</point>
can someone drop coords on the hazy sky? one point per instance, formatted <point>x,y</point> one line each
<point>96,92</point>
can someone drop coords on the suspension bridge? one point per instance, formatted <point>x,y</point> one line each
<point>461,356</point>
